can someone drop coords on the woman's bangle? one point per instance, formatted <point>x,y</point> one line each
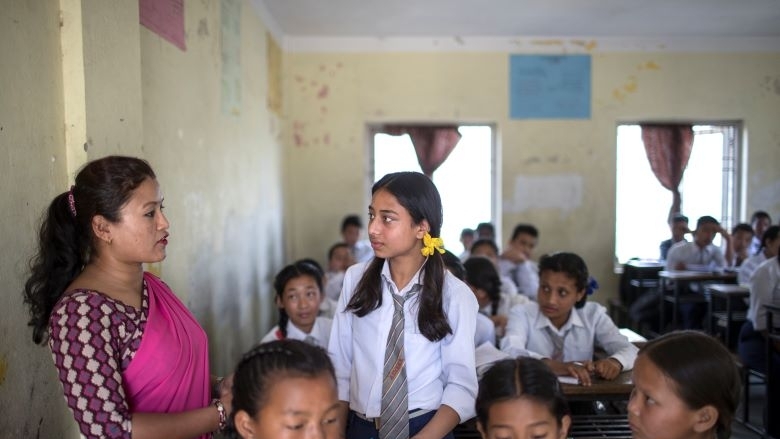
<point>222,415</point>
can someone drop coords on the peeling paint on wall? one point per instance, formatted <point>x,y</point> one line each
<point>323,93</point>
<point>631,84</point>
<point>771,84</point>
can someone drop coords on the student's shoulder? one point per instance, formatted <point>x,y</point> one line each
<point>592,308</point>
<point>355,271</point>
<point>273,334</point>
<point>324,322</point>
<point>456,289</point>
<point>527,309</point>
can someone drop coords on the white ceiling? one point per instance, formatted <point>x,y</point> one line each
<point>462,20</point>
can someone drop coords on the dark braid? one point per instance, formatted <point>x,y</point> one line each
<point>266,364</point>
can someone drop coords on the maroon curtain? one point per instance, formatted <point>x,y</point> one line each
<point>433,144</point>
<point>668,149</point>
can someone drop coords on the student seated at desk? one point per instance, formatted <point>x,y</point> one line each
<point>741,237</point>
<point>770,244</point>
<point>351,231</point>
<point>521,398</point>
<point>752,348</point>
<point>679,227</point>
<point>488,249</point>
<point>562,328</point>
<point>701,254</point>
<point>483,279</point>
<point>516,263</point>
<point>760,221</point>
<point>486,329</point>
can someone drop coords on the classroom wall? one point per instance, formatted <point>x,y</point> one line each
<point>99,83</point>
<point>331,97</point>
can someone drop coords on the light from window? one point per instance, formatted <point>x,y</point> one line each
<point>464,180</point>
<point>643,204</point>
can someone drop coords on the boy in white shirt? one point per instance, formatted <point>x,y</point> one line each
<point>760,221</point>
<point>515,262</point>
<point>700,254</point>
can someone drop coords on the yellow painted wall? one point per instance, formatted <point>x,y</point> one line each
<point>331,97</point>
<point>32,171</point>
<point>104,83</point>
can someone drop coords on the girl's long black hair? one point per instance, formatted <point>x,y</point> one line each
<point>418,195</point>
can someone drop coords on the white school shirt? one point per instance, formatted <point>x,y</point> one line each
<point>320,331</point>
<point>764,288</point>
<point>755,245</point>
<point>692,256</point>
<point>589,326</point>
<point>333,285</point>
<point>362,251</point>
<point>748,267</point>
<point>440,372</point>
<point>485,332</point>
<point>524,275</point>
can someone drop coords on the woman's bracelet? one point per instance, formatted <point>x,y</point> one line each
<point>222,415</point>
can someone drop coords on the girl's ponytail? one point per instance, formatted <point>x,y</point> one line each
<point>61,256</point>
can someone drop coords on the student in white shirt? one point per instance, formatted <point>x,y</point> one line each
<point>486,330</point>
<point>351,229</point>
<point>439,318</point>
<point>700,254</point>
<point>488,249</point>
<point>483,279</point>
<point>770,244</point>
<point>562,328</point>
<point>752,347</point>
<point>741,237</point>
<point>516,263</point>
<point>298,295</point>
<point>466,238</point>
<point>760,221</point>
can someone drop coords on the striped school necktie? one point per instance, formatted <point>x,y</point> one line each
<point>394,414</point>
<point>557,342</point>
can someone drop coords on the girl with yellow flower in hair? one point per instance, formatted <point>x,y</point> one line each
<point>402,342</point>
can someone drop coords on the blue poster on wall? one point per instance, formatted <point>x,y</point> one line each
<point>549,86</point>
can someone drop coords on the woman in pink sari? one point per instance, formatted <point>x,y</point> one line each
<point>132,360</point>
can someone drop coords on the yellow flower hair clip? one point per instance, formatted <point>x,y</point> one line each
<point>430,243</point>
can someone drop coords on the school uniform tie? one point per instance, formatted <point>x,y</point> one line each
<point>394,414</point>
<point>311,340</point>
<point>557,341</point>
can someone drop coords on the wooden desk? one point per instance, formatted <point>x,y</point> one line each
<point>683,278</point>
<point>600,390</point>
<point>725,292</point>
<point>641,274</point>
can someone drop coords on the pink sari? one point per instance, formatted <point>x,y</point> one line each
<point>170,370</point>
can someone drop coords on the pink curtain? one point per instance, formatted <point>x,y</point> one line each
<point>668,149</point>
<point>433,144</point>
